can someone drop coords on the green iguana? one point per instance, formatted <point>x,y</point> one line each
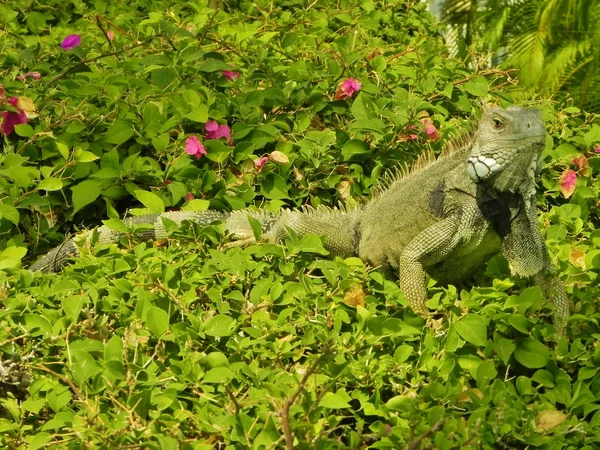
<point>445,216</point>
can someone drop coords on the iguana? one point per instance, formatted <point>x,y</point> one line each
<point>444,217</point>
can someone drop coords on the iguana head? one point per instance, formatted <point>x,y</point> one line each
<point>507,147</point>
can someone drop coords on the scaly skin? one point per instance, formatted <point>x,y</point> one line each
<point>444,218</point>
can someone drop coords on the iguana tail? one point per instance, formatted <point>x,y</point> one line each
<point>58,257</point>
<point>336,225</point>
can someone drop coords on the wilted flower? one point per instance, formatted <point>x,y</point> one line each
<point>110,34</point>
<point>347,88</point>
<point>279,157</point>
<point>430,129</point>
<point>70,42</point>
<point>11,118</point>
<point>230,74</point>
<point>189,197</point>
<point>582,164</point>
<point>194,147</point>
<point>216,131</point>
<point>260,162</point>
<point>34,75</point>
<point>567,183</point>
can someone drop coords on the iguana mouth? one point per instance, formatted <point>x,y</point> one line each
<point>480,167</point>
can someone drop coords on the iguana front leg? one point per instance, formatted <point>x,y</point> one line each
<point>429,247</point>
<point>525,250</point>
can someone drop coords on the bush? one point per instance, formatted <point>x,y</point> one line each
<point>189,347</point>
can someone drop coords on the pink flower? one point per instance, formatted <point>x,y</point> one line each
<point>567,183</point>
<point>347,88</point>
<point>110,35</point>
<point>11,118</point>
<point>216,131</point>
<point>582,164</point>
<point>70,42</point>
<point>34,75</point>
<point>431,130</point>
<point>230,74</point>
<point>597,150</point>
<point>260,162</point>
<point>194,147</point>
<point>189,197</point>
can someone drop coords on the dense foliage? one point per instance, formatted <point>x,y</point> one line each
<point>188,346</point>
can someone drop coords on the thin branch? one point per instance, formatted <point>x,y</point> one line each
<point>207,27</point>
<point>415,444</point>
<point>70,383</point>
<point>285,411</point>
<point>110,44</point>
<point>96,58</point>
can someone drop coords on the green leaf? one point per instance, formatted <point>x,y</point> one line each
<point>401,403</point>
<point>505,348</point>
<point>472,328</point>
<point>50,184</point>
<point>274,187</point>
<point>531,353</point>
<point>150,200</point>
<point>119,132</point>
<point>157,321</point>
<point>220,326</point>
<point>115,225</point>
<point>198,114</point>
<point>402,353</point>
<point>354,148</point>
<point>9,213</point>
<point>218,375</point>
<point>477,86</point>
<point>333,401</point>
<point>85,156</point>
<point>363,108</point>
<point>83,366</point>
<point>24,130</point>
<point>85,193</point>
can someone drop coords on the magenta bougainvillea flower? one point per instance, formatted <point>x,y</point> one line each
<point>10,118</point>
<point>216,131</point>
<point>194,147</point>
<point>70,42</point>
<point>230,74</point>
<point>430,129</point>
<point>34,75</point>
<point>567,182</point>
<point>260,162</point>
<point>347,88</point>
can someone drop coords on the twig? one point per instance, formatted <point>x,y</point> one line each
<point>233,399</point>
<point>415,444</point>
<point>116,27</point>
<point>207,27</point>
<point>96,58</point>
<point>285,411</point>
<point>68,382</point>
<point>16,338</point>
<point>110,44</point>
<point>505,73</point>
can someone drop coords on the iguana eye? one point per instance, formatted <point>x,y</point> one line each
<point>498,123</point>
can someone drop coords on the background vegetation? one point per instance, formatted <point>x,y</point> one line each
<point>553,44</point>
<point>187,346</point>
